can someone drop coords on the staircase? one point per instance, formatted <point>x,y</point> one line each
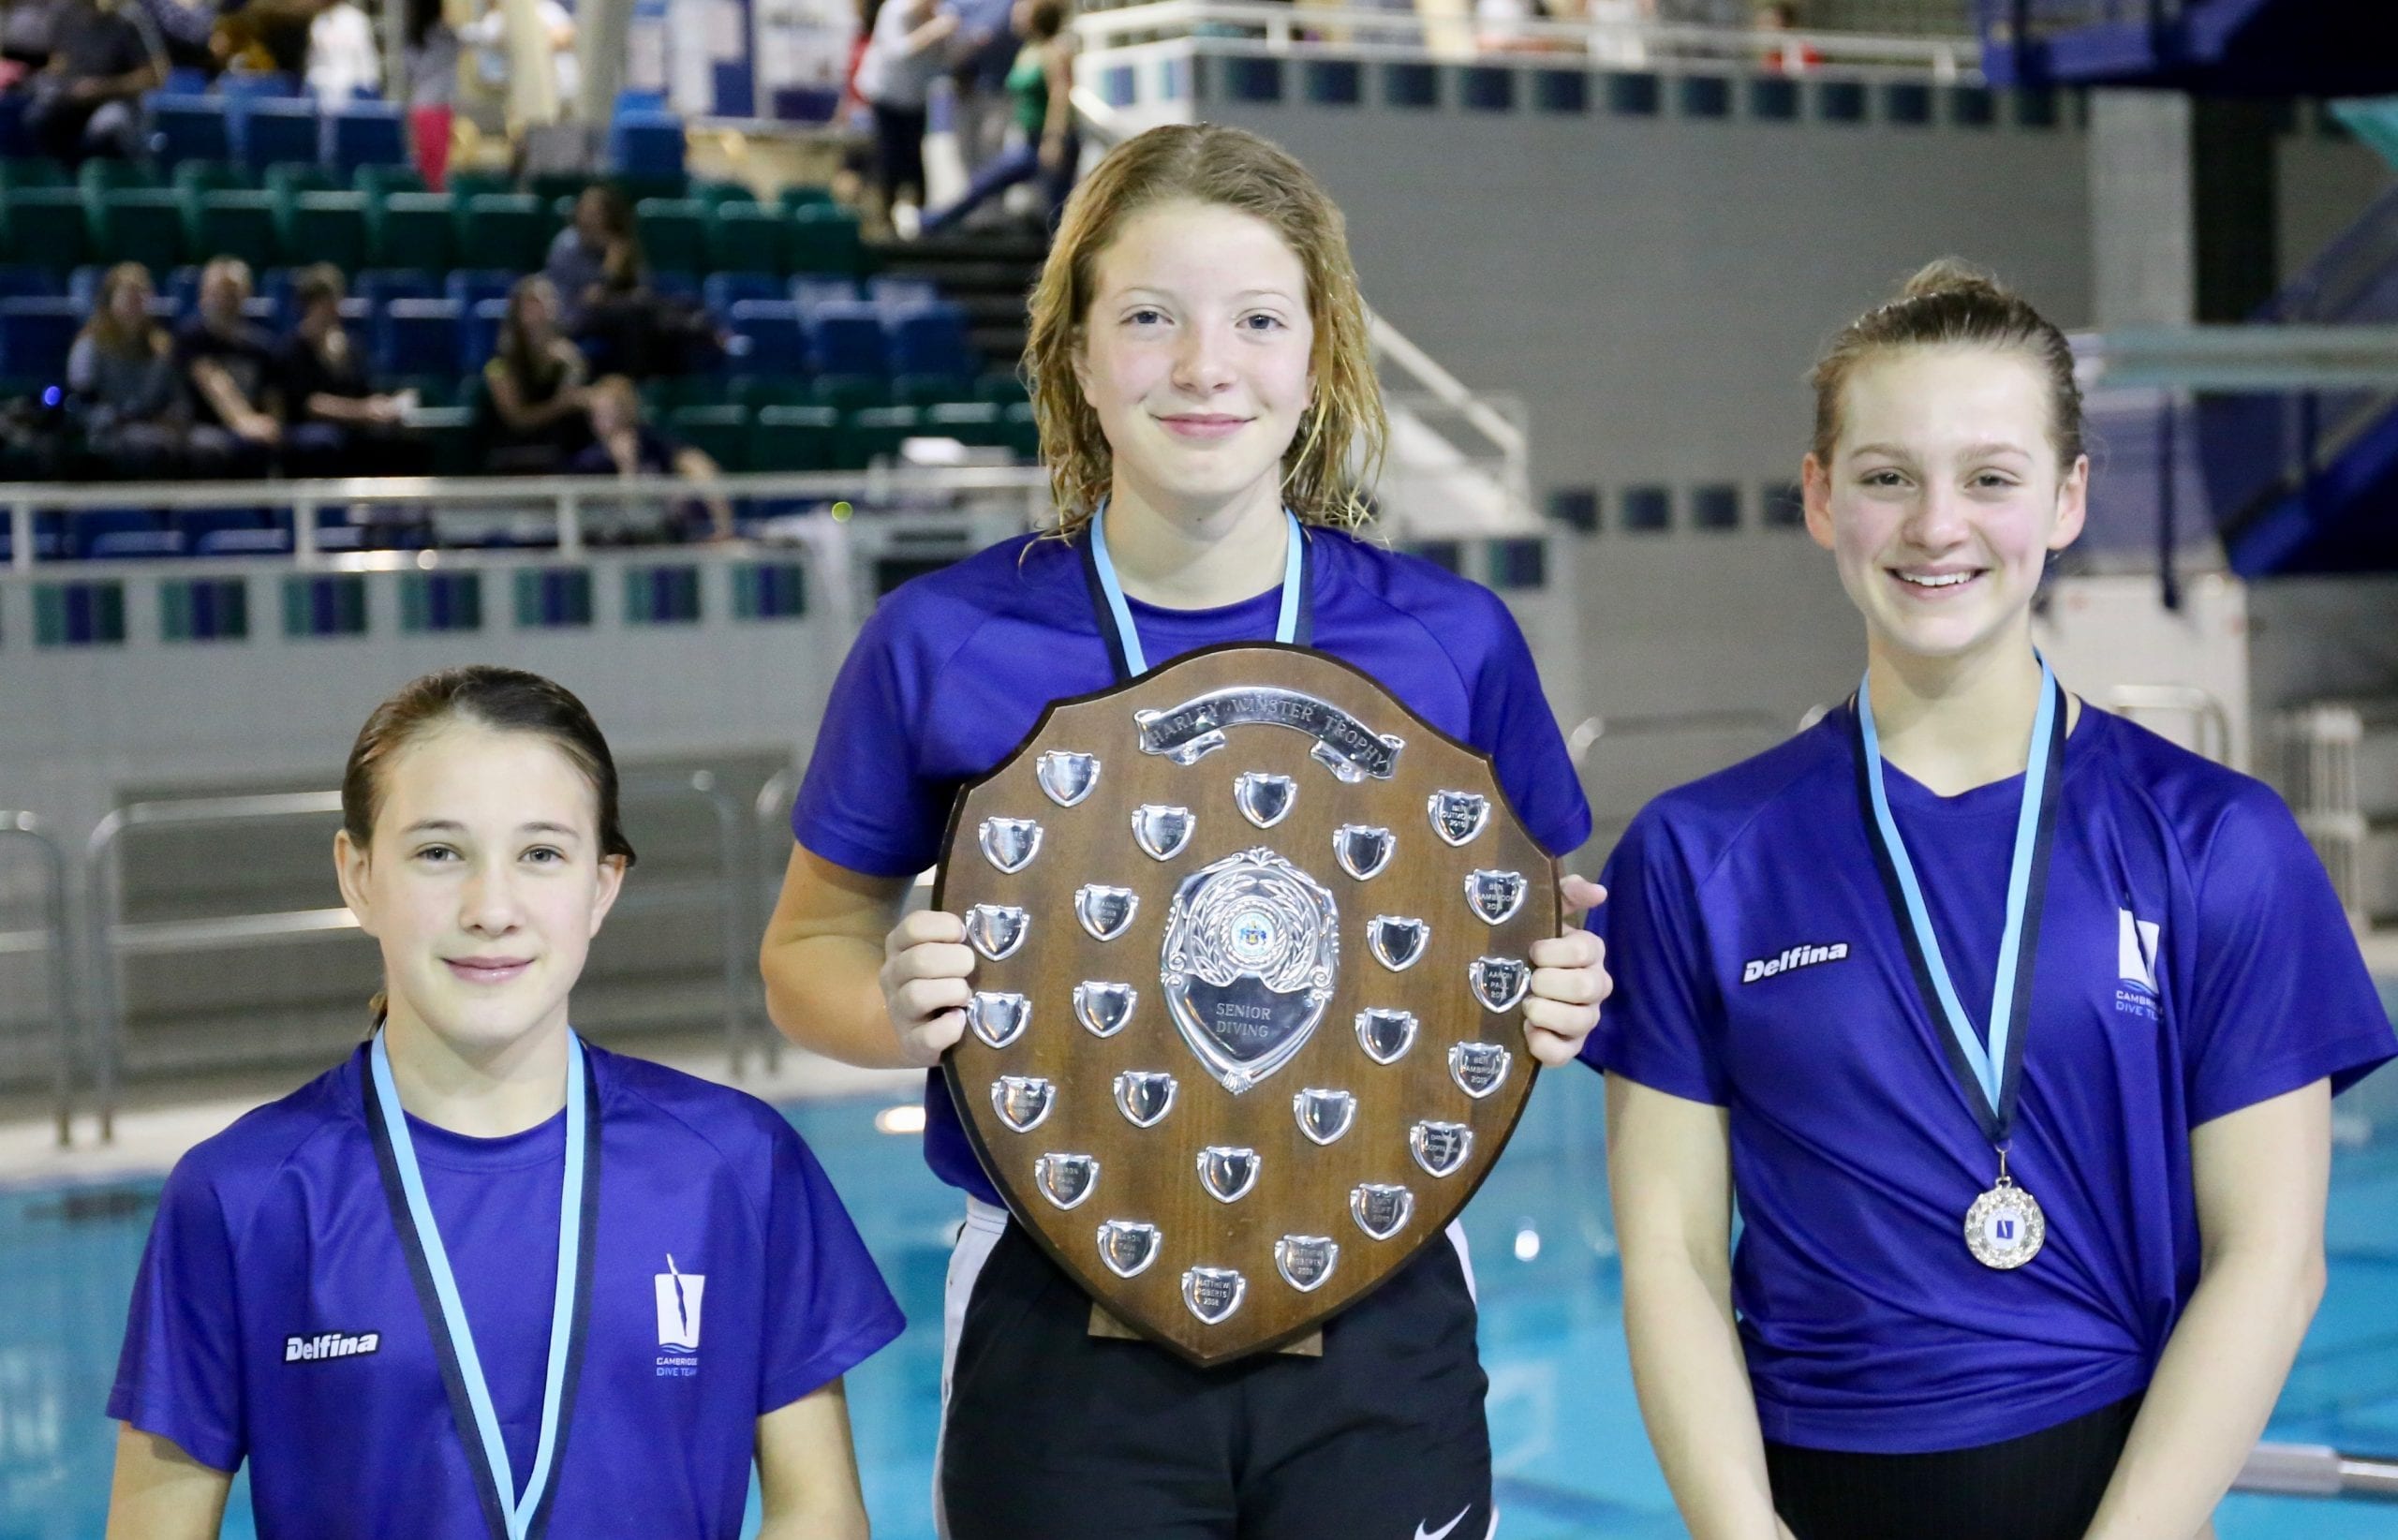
<point>990,273</point>
<point>2329,47</point>
<point>2342,774</point>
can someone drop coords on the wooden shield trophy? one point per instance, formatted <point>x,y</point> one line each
<point>1252,942</point>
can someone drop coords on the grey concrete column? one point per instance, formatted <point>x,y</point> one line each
<point>2143,228</point>
<point>604,30</point>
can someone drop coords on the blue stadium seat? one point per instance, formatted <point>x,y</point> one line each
<point>646,144</point>
<point>191,128</point>
<point>249,85</point>
<point>771,340</point>
<point>901,291</point>
<point>29,283</point>
<point>200,528</point>
<point>379,286</point>
<point>471,286</point>
<point>273,128</point>
<point>675,284</point>
<point>845,337</point>
<point>812,289</point>
<point>930,339</point>
<point>723,290</point>
<point>479,338</point>
<point>35,335</point>
<point>96,534</point>
<point>419,338</point>
<point>364,133</point>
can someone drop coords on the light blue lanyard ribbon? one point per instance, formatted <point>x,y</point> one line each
<point>1286,625</point>
<point>519,1508</point>
<point>1989,1064</point>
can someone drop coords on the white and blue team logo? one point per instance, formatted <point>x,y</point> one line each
<point>679,1294</point>
<point>2136,952</point>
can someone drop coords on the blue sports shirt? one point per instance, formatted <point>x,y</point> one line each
<point>2192,961</point>
<point>954,669</point>
<point>273,1319</point>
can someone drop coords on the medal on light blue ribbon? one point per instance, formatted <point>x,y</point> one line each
<point>510,1515</point>
<point>1294,623</point>
<point>2005,1227</point>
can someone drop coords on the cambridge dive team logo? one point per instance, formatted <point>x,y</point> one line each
<point>679,1294</point>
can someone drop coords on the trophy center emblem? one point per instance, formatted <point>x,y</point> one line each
<point>1251,949</point>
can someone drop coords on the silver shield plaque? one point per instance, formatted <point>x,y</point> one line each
<point>1458,817</point>
<point>1104,1008</point>
<point>1265,800</point>
<point>1252,948</point>
<point>1213,1294</point>
<point>1324,1115</point>
<point>1065,1181</point>
<point>1160,831</point>
<point>1385,1036</point>
<point>1396,941</point>
<point>1495,895</point>
<point>1144,1096</point>
<point>1106,912</point>
<point>1127,1247</point>
<point>1010,843</point>
<point>1343,744</point>
<point>997,929</point>
<point>1067,777</point>
<point>1380,1210</point>
<point>1440,1149</point>
<point>1499,982</point>
<point>1306,1261</point>
<point>1023,1100</point>
<point>1479,1068</point>
<point>1363,850</point>
<point>1227,1173</point>
<point>998,1020</point>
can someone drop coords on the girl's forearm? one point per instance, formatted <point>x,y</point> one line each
<point>1694,1396</point>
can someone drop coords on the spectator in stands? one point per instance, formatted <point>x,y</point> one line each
<point>487,35</point>
<point>598,250</point>
<point>903,58</point>
<point>624,444</point>
<point>1785,58</point>
<point>985,49</point>
<point>342,58</point>
<point>87,100</point>
<point>1041,85</point>
<point>1617,39</point>
<point>536,415</point>
<point>337,423</point>
<point>121,375</point>
<point>229,364</point>
<point>267,36</point>
<point>430,70</point>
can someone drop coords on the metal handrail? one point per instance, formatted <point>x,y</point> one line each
<point>112,938</point>
<point>2200,704</point>
<point>1279,27</point>
<point>2316,1470</point>
<point>26,829</point>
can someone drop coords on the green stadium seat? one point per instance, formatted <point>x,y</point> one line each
<point>412,230</point>
<point>101,175</point>
<point>508,231</point>
<point>431,389</point>
<point>208,176</point>
<point>141,225</point>
<point>757,391</point>
<point>794,439</point>
<point>748,238</point>
<point>1019,432</point>
<point>825,239</point>
<point>450,431</point>
<point>232,224</point>
<point>716,193</point>
<point>46,226</point>
<point>978,422</point>
<point>850,392</point>
<point>32,171</point>
<point>1004,387</point>
<point>720,433</point>
<point>326,227</point>
<point>465,184</point>
<point>379,180</point>
<point>877,432</point>
<point>795,199</point>
<point>673,234</point>
<point>294,177</point>
<point>929,390</point>
<point>551,185</point>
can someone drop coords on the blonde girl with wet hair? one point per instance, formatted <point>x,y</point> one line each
<point>2011,1028</point>
<point>1199,367</point>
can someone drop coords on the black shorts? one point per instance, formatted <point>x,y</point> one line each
<point>2042,1486</point>
<point>1054,1434</point>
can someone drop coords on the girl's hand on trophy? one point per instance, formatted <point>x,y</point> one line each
<point>926,966</point>
<point>1569,979</point>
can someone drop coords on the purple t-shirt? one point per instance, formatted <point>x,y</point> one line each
<point>276,1235</point>
<point>954,669</point>
<point>2192,961</point>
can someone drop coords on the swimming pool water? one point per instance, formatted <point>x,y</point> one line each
<point>1571,1456</point>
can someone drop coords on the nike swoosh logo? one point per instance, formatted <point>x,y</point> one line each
<point>1442,1532</point>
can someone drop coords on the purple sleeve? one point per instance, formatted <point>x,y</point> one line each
<point>179,1374</point>
<point>2279,995</point>
<point>827,1309</point>
<point>864,804</point>
<point>1512,721</point>
<point>1660,1026</point>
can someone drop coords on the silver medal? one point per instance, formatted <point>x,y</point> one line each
<point>2005,1227</point>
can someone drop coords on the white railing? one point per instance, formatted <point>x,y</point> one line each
<point>1285,31</point>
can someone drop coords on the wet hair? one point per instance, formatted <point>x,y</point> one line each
<point>499,699</point>
<point>1950,304</point>
<point>1228,168</point>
